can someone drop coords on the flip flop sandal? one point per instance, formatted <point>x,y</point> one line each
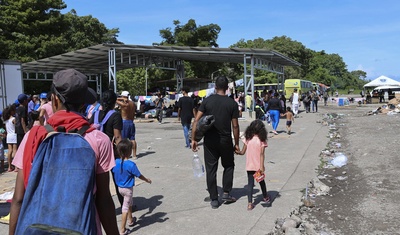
<point>125,232</point>
<point>133,222</point>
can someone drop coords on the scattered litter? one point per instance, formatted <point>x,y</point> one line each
<point>339,160</point>
<point>336,145</point>
<point>318,188</point>
<point>392,108</point>
<point>341,177</point>
<point>326,152</point>
<point>375,112</point>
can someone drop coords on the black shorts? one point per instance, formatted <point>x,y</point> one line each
<point>288,123</point>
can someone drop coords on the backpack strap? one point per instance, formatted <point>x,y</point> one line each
<point>49,128</point>
<point>61,129</point>
<point>96,117</point>
<point>83,130</point>
<point>87,110</point>
<point>96,107</point>
<point>108,115</point>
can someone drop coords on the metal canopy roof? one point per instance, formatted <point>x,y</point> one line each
<point>95,59</point>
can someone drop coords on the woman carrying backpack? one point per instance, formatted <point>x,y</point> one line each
<point>315,99</point>
<point>307,101</point>
<point>112,127</point>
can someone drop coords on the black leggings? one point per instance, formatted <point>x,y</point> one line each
<point>250,185</point>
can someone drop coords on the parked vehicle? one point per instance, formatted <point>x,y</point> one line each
<point>301,85</point>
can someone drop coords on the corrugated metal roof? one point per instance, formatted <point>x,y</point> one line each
<point>95,59</point>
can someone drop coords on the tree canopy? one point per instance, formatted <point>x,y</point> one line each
<point>191,34</point>
<point>32,30</point>
<point>329,69</point>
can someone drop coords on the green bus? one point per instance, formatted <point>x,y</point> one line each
<point>259,88</point>
<point>301,85</point>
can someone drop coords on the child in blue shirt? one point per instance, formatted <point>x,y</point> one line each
<point>125,172</point>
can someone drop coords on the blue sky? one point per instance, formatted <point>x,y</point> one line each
<point>366,34</point>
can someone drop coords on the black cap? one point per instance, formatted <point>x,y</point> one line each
<point>72,87</point>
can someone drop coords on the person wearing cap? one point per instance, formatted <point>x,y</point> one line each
<point>21,118</point>
<point>46,109</point>
<point>128,112</point>
<point>69,93</point>
<point>42,99</point>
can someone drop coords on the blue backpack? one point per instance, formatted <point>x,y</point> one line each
<point>59,196</point>
<point>99,125</point>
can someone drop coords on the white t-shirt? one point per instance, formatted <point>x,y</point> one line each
<point>10,128</point>
<point>295,99</point>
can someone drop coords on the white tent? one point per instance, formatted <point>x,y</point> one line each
<point>382,81</point>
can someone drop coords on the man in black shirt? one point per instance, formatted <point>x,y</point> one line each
<point>186,112</point>
<point>21,118</point>
<point>218,140</point>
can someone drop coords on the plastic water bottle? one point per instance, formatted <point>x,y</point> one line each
<point>198,168</point>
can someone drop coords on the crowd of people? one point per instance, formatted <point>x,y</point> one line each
<point>71,105</point>
<point>270,105</point>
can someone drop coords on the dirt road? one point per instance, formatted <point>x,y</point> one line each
<point>365,193</point>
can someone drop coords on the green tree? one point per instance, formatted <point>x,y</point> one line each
<point>30,27</point>
<point>132,80</point>
<point>329,69</point>
<point>190,34</point>
<point>85,31</point>
<point>284,45</point>
<point>333,67</point>
<point>32,30</point>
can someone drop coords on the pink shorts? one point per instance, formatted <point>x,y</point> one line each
<point>127,193</point>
